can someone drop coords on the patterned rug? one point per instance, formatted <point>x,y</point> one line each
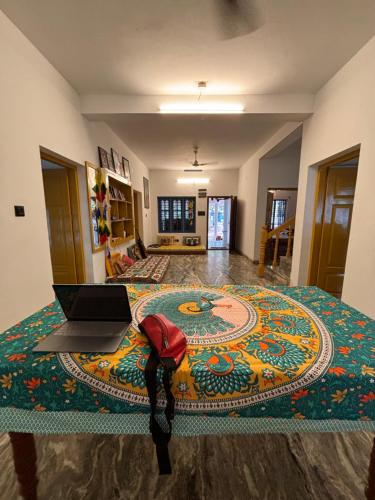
<point>245,345</point>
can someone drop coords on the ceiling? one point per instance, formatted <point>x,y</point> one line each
<point>166,141</point>
<point>165,46</point>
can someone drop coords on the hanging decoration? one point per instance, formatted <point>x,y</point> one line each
<point>97,194</point>
<point>100,191</point>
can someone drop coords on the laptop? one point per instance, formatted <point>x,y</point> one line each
<point>98,317</point>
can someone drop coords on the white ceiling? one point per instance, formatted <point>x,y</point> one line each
<point>164,46</point>
<point>166,141</point>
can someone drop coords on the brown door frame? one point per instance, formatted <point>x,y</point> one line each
<point>208,205</point>
<point>320,195</point>
<point>75,210</point>
<point>138,214</point>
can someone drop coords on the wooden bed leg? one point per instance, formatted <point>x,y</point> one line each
<point>370,490</point>
<point>24,457</point>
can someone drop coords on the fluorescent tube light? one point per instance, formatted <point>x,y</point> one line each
<point>200,107</point>
<point>193,180</point>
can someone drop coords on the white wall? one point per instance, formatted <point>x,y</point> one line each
<point>37,108</point>
<point>164,183</point>
<point>248,190</point>
<point>277,171</point>
<point>344,116</point>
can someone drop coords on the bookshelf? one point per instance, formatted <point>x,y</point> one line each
<point>120,208</point>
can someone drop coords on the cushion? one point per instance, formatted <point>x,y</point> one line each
<point>142,248</point>
<point>127,261</point>
<point>118,268</point>
<point>108,266</point>
<point>133,252</point>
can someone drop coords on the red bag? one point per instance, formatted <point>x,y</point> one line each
<point>166,338</point>
<point>168,347</point>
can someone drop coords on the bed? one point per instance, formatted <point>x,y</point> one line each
<point>177,250</point>
<point>274,359</point>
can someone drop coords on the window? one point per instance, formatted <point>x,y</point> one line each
<point>278,213</point>
<point>176,214</point>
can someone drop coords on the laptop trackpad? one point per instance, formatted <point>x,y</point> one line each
<point>61,343</point>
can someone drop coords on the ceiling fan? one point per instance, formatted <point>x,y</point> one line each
<point>238,17</point>
<point>197,164</point>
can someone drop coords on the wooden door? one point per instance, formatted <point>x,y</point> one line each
<point>336,220</point>
<point>136,214</point>
<point>60,227</point>
<point>269,207</point>
<point>233,223</point>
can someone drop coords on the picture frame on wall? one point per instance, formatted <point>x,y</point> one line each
<point>110,162</point>
<point>116,162</point>
<point>146,192</point>
<point>126,167</point>
<point>103,158</point>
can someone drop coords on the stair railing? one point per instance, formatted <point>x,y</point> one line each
<point>265,235</point>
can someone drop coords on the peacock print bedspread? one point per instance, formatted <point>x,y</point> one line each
<point>258,359</point>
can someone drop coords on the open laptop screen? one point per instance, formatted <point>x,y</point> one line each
<point>94,302</point>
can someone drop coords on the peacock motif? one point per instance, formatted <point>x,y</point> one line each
<point>270,303</point>
<point>245,345</point>
<point>286,323</point>
<point>278,352</point>
<point>191,311</point>
<point>219,373</point>
<point>130,370</point>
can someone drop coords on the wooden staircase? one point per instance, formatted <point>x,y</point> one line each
<point>280,264</point>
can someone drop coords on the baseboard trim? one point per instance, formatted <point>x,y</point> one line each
<point>255,262</point>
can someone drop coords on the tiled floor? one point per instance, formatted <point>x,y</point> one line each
<point>292,467</point>
<point>218,267</point>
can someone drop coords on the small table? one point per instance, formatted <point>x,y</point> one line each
<point>259,359</point>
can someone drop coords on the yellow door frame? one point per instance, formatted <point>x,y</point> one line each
<point>320,195</point>
<point>75,211</point>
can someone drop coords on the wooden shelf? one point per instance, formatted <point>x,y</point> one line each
<point>117,177</point>
<point>120,206</point>
<point>119,200</point>
<point>120,241</point>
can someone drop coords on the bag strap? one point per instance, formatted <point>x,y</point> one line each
<point>160,437</point>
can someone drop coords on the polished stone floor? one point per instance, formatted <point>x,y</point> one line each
<point>259,467</point>
<point>218,267</point>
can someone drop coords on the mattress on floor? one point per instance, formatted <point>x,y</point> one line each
<point>177,249</point>
<point>149,270</point>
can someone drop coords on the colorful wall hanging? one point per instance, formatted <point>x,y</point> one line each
<point>97,198</point>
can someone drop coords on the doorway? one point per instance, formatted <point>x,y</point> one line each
<point>63,220</point>
<point>333,215</point>
<point>281,206</point>
<point>138,219</point>
<point>220,222</point>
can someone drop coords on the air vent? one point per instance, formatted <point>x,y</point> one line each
<point>193,170</point>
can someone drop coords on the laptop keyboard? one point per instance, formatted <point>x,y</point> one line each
<point>92,328</point>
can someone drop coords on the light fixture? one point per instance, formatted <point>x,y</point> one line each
<point>200,107</point>
<point>193,180</point>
